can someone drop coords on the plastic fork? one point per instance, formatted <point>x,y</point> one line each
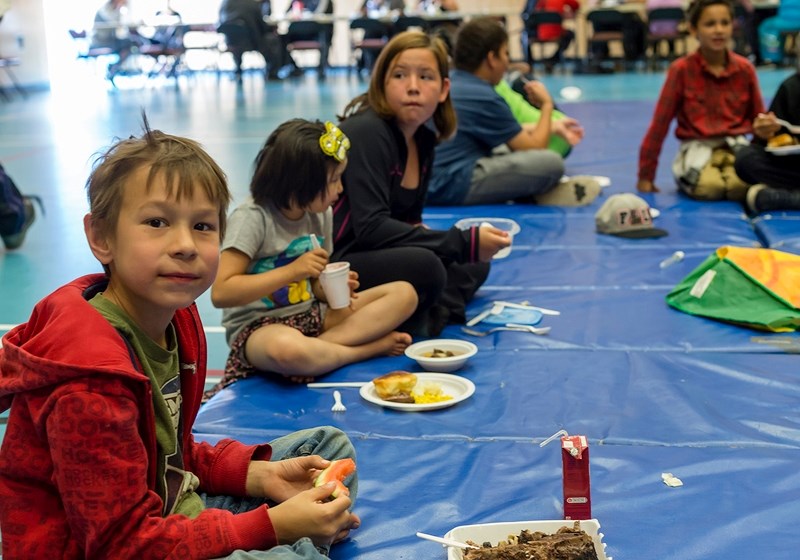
<point>446,542</point>
<point>793,128</point>
<point>337,403</point>
<point>508,327</point>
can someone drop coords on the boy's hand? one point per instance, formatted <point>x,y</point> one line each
<point>569,129</point>
<point>643,185</point>
<point>308,514</point>
<point>491,240</point>
<point>765,125</point>
<point>537,94</point>
<point>281,480</point>
<point>309,265</point>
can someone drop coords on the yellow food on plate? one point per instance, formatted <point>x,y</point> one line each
<point>402,387</point>
<point>428,393</point>
<point>781,140</point>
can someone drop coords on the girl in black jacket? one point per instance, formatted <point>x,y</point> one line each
<point>378,219</point>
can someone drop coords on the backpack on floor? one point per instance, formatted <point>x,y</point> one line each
<point>755,288</point>
<point>12,206</point>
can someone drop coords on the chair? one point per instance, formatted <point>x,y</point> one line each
<point>791,47</point>
<point>237,42</point>
<point>534,20</point>
<point>98,57</point>
<point>404,23</point>
<point>672,34</point>
<point>606,27</point>
<point>6,62</point>
<point>167,54</point>
<point>367,38</point>
<point>88,51</point>
<point>310,36</point>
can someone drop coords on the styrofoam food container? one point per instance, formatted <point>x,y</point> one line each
<point>464,349</point>
<point>496,532</point>
<point>505,224</point>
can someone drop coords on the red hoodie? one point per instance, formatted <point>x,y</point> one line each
<point>77,465</point>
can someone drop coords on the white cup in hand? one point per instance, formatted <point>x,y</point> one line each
<point>335,283</point>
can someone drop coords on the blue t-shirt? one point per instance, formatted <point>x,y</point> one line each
<point>485,122</point>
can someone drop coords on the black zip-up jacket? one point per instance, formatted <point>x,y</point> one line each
<point>367,216</point>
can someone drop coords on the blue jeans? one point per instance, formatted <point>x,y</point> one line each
<point>328,442</point>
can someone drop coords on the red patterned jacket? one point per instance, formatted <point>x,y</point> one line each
<point>77,475</point>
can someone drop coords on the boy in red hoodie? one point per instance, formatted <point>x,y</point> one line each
<point>104,382</point>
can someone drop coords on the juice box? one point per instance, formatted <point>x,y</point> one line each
<point>575,465</point>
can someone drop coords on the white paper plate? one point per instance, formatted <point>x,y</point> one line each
<point>459,388</point>
<point>496,532</point>
<point>784,150</point>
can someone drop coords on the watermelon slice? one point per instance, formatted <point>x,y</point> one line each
<point>336,472</point>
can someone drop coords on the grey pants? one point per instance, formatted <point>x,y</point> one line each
<point>507,175</point>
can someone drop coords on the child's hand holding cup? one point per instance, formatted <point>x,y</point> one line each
<point>335,281</point>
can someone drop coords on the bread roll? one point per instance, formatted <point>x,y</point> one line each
<point>781,140</point>
<point>395,386</point>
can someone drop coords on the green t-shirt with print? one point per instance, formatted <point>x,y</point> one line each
<point>524,112</point>
<point>176,486</point>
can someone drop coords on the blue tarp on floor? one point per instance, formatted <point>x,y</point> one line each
<point>655,390</point>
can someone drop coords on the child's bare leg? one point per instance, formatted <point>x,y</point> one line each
<point>287,351</point>
<point>376,312</point>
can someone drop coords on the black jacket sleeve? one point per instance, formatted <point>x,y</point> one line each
<point>374,173</point>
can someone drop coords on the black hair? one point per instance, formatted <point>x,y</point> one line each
<point>291,169</point>
<point>475,40</point>
<point>696,8</point>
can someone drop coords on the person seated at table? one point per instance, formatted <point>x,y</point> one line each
<point>776,176</point>
<point>446,28</point>
<point>714,95</point>
<point>634,35</point>
<point>168,27</point>
<point>380,6</point>
<point>313,7</point>
<point>665,27</point>
<point>437,6</point>
<point>492,158</point>
<point>553,31</point>
<point>112,30</point>
<point>261,37</point>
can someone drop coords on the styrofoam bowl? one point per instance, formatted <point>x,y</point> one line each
<point>496,532</point>
<point>509,226</point>
<point>464,351</point>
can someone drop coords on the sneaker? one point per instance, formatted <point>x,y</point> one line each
<point>579,190</point>
<point>15,240</point>
<point>761,198</point>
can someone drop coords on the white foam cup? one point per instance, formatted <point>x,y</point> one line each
<point>334,280</point>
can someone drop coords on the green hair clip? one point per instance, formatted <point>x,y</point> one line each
<point>334,142</point>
